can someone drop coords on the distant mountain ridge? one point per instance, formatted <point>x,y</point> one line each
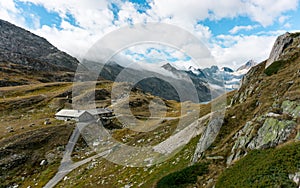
<point>204,80</point>
<point>215,76</point>
<point>248,65</point>
<point>155,83</point>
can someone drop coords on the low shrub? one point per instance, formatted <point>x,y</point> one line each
<point>184,177</point>
<point>274,68</point>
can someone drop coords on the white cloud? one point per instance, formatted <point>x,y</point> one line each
<point>95,19</point>
<point>283,19</point>
<point>287,25</point>
<point>242,49</point>
<point>263,12</point>
<point>9,12</point>
<point>266,12</point>
<point>236,29</point>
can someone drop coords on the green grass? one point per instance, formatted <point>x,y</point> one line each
<point>263,168</point>
<point>184,177</point>
<point>274,68</point>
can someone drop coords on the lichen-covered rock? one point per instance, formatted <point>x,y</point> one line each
<point>243,137</point>
<point>272,133</point>
<point>291,107</point>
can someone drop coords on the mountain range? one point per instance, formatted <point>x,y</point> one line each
<point>23,54</point>
<point>254,144</point>
<point>207,82</point>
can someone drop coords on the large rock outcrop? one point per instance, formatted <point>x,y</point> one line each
<point>209,135</point>
<point>281,45</point>
<point>266,131</point>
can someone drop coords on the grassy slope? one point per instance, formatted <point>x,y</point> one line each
<point>263,93</point>
<point>264,168</point>
<point>21,106</point>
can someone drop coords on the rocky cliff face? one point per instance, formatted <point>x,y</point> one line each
<point>21,47</point>
<point>268,130</point>
<point>275,99</point>
<point>283,46</point>
<point>264,115</point>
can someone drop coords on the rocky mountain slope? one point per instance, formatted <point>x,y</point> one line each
<point>263,115</point>
<point>23,54</point>
<point>22,47</point>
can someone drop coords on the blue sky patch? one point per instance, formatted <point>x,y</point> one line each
<point>45,17</point>
<point>141,5</point>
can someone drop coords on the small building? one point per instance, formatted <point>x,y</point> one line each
<point>101,112</point>
<point>77,115</point>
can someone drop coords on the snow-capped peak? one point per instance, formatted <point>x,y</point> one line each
<point>194,70</point>
<point>251,63</point>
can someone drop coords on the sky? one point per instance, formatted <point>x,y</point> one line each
<point>234,31</point>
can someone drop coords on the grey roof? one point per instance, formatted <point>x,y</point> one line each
<point>78,113</point>
<point>70,113</point>
<point>99,111</point>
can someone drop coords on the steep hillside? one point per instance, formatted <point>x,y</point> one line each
<point>264,114</point>
<point>20,46</point>
<point>27,58</point>
<point>258,143</point>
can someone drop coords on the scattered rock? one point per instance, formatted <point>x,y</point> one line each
<point>50,157</point>
<point>291,107</point>
<point>31,125</point>
<point>10,129</point>
<point>295,178</point>
<point>230,159</point>
<point>271,114</point>
<point>43,162</point>
<point>215,157</point>
<point>47,122</point>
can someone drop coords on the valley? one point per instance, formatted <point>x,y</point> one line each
<point>248,136</point>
